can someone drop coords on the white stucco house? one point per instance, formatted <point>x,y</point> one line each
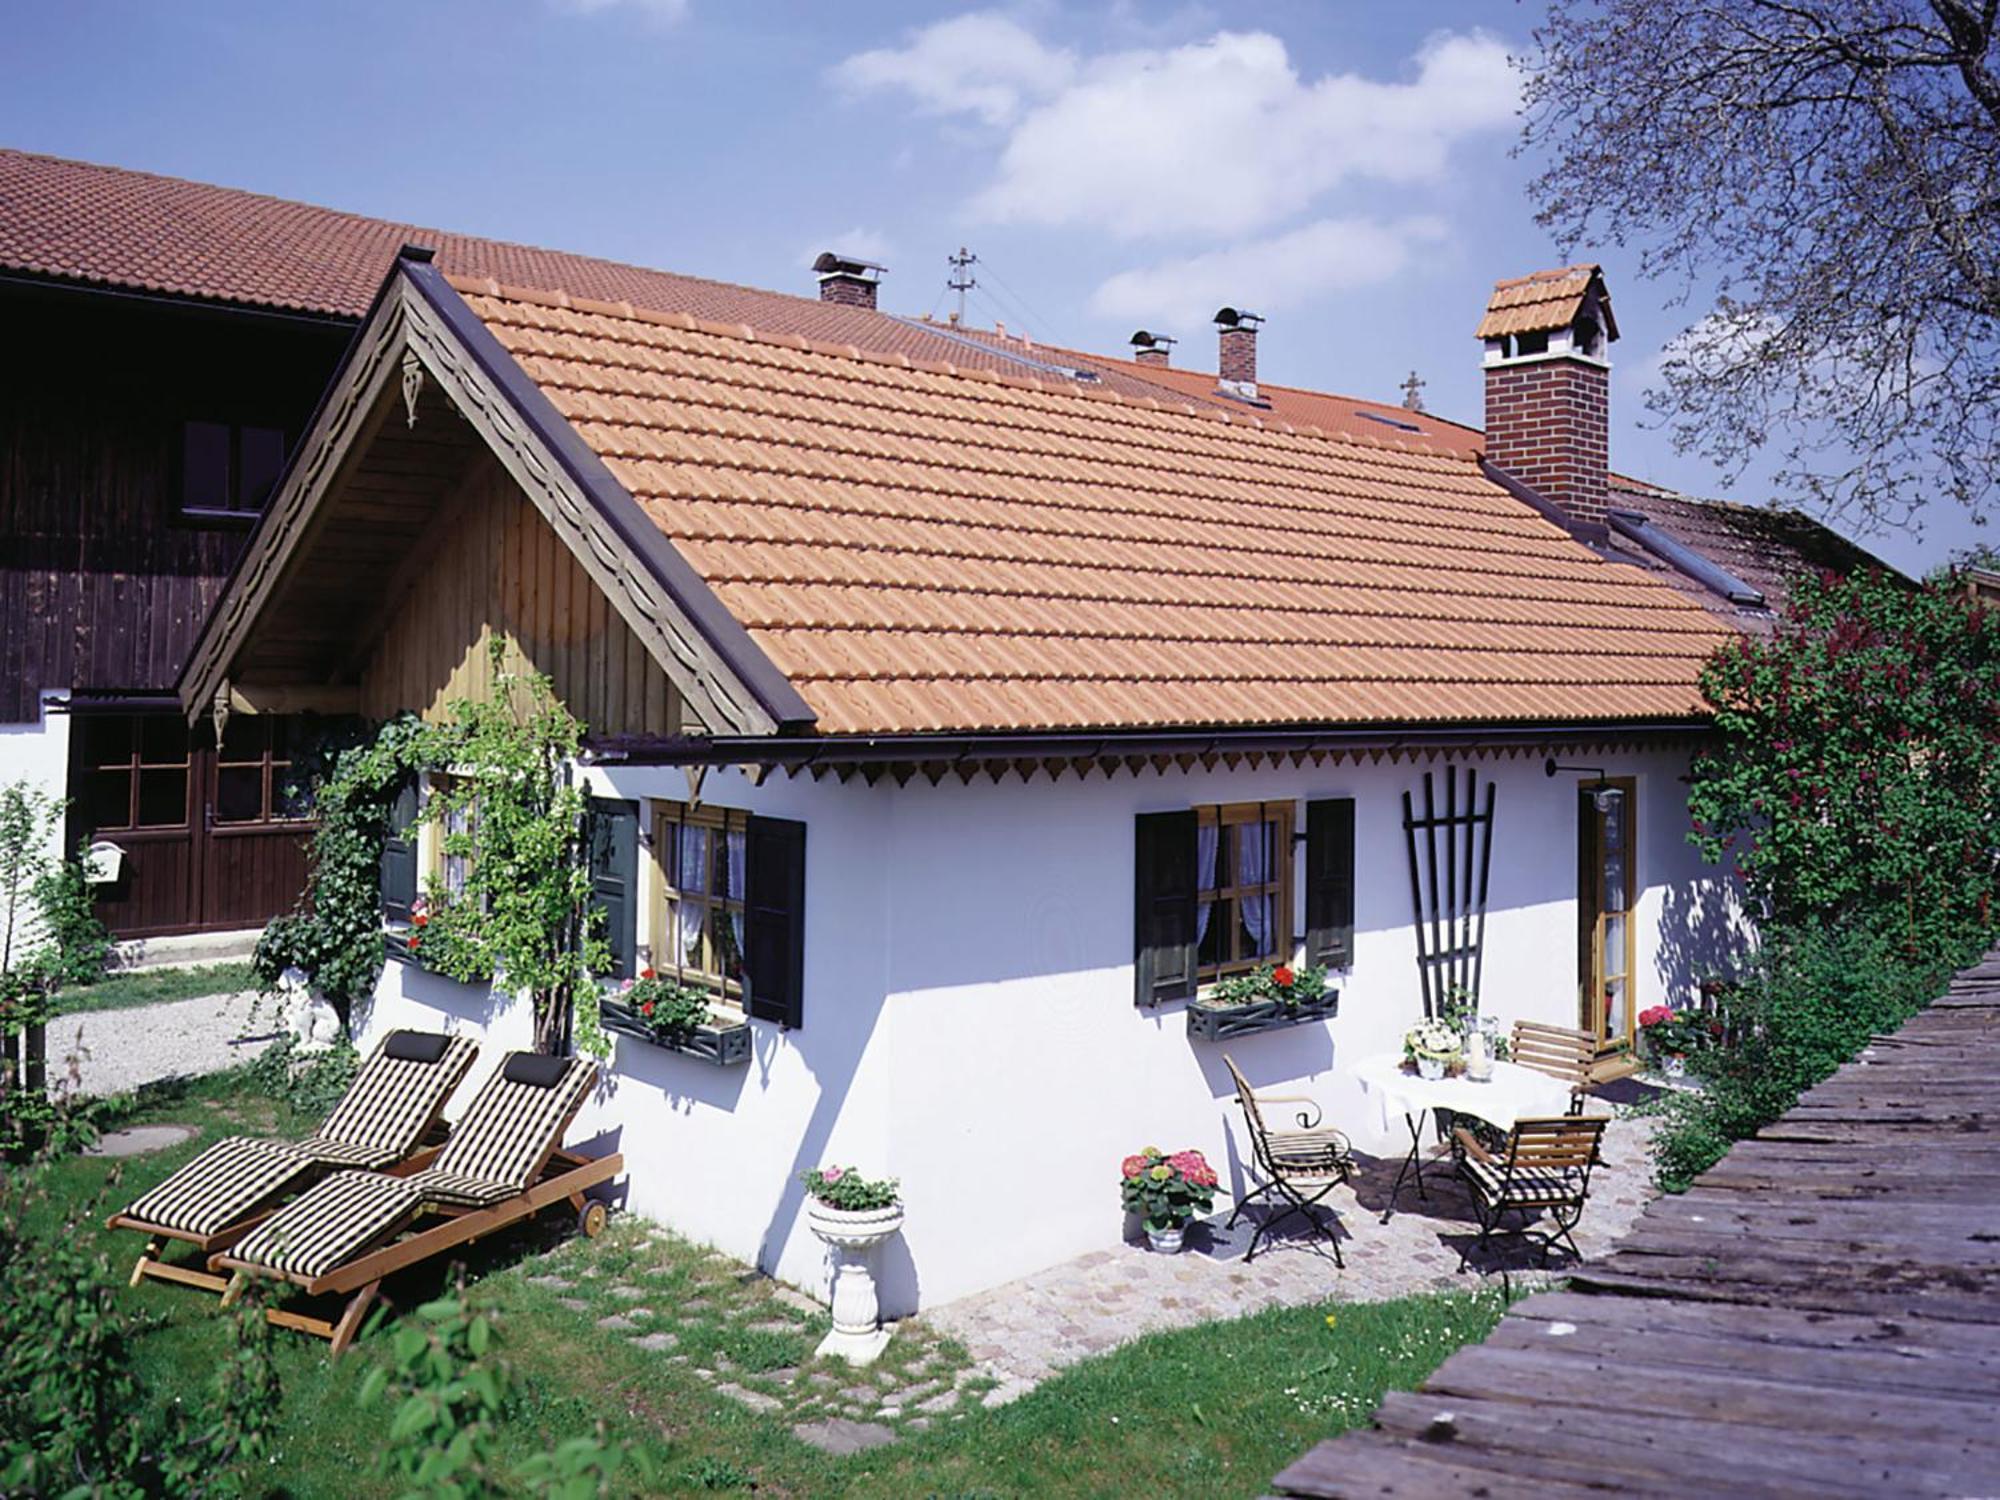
<point>965,725</point>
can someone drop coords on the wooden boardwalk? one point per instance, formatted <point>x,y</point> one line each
<point>1818,1317</point>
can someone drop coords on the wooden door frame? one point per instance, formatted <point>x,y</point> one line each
<point>1590,913</point>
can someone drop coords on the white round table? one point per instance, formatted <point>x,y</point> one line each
<point>1513,1093</point>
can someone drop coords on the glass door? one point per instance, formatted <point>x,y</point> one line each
<point>1605,935</point>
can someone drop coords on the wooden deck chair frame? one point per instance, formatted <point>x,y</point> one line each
<point>150,1261</point>
<point>1298,1167</point>
<point>1564,1146</point>
<point>557,1176</point>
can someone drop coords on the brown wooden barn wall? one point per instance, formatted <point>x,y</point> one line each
<point>102,585</point>
<point>494,565</point>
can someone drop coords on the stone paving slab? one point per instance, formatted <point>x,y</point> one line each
<point>1021,1333</point>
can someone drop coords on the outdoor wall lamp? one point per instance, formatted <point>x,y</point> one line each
<point>1604,798</point>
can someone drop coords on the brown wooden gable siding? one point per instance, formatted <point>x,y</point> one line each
<point>490,563</point>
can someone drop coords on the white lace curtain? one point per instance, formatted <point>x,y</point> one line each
<point>1205,840</point>
<point>691,878</point>
<point>1253,865</point>
<point>732,859</point>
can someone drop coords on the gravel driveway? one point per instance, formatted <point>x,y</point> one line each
<point>117,1050</point>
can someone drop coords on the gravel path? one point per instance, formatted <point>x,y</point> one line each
<point>117,1050</point>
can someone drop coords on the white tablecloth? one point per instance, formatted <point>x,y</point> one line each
<point>1513,1093</point>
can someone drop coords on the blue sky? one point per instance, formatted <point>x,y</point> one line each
<point>1343,168</point>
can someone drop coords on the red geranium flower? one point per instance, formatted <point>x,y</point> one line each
<point>420,920</point>
<point>646,1009</point>
<point>1282,977</point>
<point>647,974</point>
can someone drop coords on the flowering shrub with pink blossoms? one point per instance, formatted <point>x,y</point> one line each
<point>1168,1190</point>
<point>843,1187</point>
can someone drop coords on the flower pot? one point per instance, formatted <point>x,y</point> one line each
<point>1676,1065</point>
<point>1431,1068</point>
<point>1166,1241</point>
<point>852,1235</point>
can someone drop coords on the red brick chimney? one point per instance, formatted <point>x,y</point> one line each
<point>1153,348</point>
<point>848,281</point>
<point>1548,388</point>
<point>1236,334</point>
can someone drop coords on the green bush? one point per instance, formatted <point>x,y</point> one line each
<point>1814,997</point>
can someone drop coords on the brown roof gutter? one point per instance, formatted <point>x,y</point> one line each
<point>802,751</point>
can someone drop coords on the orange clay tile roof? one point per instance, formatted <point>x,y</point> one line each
<point>1531,304</point>
<point>921,549</point>
<point>107,226</point>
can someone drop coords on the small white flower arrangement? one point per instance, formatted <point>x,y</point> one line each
<point>1433,1040</point>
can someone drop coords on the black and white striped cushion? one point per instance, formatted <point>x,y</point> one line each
<point>228,1182</point>
<point>1526,1186</point>
<point>505,1135</point>
<point>511,1127</point>
<point>390,1104</point>
<point>331,1224</point>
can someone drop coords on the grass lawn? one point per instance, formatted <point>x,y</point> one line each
<point>154,986</point>
<point>1211,1411</point>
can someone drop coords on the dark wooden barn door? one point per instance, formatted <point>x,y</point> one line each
<point>213,838</point>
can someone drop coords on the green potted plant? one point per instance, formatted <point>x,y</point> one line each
<point>1670,1036</point>
<point>853,1214</point>
<point>1268,996</point>
<point>1433,1047</point>
<point>1167,1192</point>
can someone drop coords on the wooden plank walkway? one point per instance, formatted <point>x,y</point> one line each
<point>1819,1316</point>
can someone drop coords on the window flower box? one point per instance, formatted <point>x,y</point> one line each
<point>723,1039</point>
<point>1266,999</point>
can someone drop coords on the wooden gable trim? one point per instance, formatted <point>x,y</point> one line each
<point>420,328</point>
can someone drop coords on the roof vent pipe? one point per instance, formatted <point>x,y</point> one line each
<point>1153,348</point>
<point>846,280</point>
<point>1236,332</point>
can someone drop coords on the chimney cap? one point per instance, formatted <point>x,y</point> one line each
<point>1237,317</point>
<point>1144,340</point>
<point>830,263</point>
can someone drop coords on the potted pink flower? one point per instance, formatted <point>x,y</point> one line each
<point>853,1215</point>
<point>1167,1192</point>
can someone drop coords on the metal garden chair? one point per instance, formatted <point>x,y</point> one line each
<point>1299,1167</point>
<point>1542,1168</point>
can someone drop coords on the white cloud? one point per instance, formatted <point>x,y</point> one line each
<point>859,242</point>
<point>1222,137</point>
<point>665,12</point>
<point>982,64</point>
<point>1270,274</point>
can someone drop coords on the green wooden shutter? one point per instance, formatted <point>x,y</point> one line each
<point>774,920</point>
<point>614,877</point>
<point>1330,882</point>
<point>1163,949</point>
<point>399,855</point>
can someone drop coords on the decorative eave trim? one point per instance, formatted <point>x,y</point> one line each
<point>729,685</point>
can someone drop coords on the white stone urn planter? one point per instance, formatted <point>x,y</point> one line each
<point>853,1235</point>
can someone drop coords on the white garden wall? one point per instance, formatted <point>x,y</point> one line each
<point>970,1025</point>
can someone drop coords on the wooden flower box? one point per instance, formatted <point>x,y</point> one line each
<point>1220,1023</point>
<point>724,1046</point>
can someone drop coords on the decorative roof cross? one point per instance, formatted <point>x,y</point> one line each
<point>1412,393</point>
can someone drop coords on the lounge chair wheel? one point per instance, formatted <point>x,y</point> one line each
<point>590,1221</point>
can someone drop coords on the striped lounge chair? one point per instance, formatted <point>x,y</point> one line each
<point>502,1164</point>
<point>395,1101</point>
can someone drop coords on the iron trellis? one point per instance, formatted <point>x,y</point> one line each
<point>1451,857</point>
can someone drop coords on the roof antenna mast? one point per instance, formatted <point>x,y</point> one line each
<point>961,279</point>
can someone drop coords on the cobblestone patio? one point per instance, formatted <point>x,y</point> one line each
<point>1021,1333</point>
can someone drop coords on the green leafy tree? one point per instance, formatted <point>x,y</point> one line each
<point>448,1392</point>
<point>511,820</point>
<point>1855,776</point>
